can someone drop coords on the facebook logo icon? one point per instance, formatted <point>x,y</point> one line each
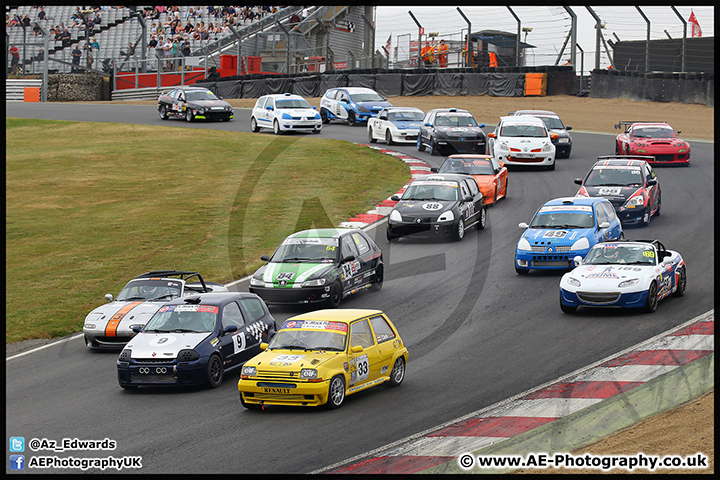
<point>17,462</point>
<point>17,444</point>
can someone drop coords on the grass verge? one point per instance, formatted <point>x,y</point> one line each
<point>90,206</point>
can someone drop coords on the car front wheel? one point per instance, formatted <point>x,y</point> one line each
<point>324,116</point>
<point>163,113</point>
<point>652,298</point>
<point>420,144</point>
<point>388,138</point>
<point>336,392</point>
<point>681,284</point>
<point>459,230</point>
<point>253,125</point>
<point>482,219</point>
<point>351,118</point>
<point>567,308</point>
<point>276,128</point>
<point>214,372</point>
<point>189,115</point>
<point>371,139</point>
<point>335,294</point>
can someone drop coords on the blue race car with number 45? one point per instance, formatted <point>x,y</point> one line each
<point>562,229</point>
<point>626,274</point>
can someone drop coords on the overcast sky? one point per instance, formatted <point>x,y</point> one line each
<point>550,26</point>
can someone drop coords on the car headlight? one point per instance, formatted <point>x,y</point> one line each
<point>318,282</point>
<point>503,146</point>
<point>573,281</point>
<point>563,140</point>
<point>286,116</point>
<point>256,282</point>
<point>547,147</point>
<point>581,244</point>
<point>401,127</point>
<point>628,283</point>
<point>362,109</point>
<point>90,326</point>
<point>446,217</point>
<point>187,355</point>
<point>308,374</point>
<point>637,201</point>
<point>395,216</point>
<point>125,355</point>
<point>249,371</point>
<point>524,245</point>
<point>317,116</point>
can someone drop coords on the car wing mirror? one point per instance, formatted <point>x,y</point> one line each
<point>578,181</point>
<point>568,127</point>
<point>395,198</point>
<point>554,136</point>
<point>468,199</point>
<point>109,297</point>
<point>348,258</point>
<point>652,181</point>
<point>434,169</point>
<point>482,125</point>
<point>428,124</point>
<point>263,346</point>
<point>229,329</point>
<point>314,107</point>
<point>523,225</point>
<point>492,135</point>
<point>264,258</point>
<point>605,225</point>
<point>577,260</point>
<point>269,107</point>
<point>356,349</point>
<point>136,328</point>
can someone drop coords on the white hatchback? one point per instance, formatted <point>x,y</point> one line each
<point>522,140</point>
<point>283,113</point>
<point>395,125</point>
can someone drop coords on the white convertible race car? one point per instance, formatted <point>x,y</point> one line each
<point>623,273</point>
<point>396,125</point>
<point>110,326</point>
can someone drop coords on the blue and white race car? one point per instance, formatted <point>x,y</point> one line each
<point>351,104</point>
<point>562,229</point>
<point>626,274</point>
<point>284,113</point>
<point>396,125</point>
<point>194,340</point>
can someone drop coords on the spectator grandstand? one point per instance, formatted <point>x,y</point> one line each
<point>114,28</point>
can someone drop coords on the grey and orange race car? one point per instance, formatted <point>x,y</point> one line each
<point>110,326</point>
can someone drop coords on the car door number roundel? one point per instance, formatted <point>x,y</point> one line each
<point>362,370</point>
<point>350,269</point>
<point>239,342</point>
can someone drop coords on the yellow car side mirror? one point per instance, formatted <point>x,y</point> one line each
<point>356,349</point>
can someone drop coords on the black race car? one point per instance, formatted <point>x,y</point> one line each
<point>439,204</point>
<point>319,265</point>
<point>194,340</point>
<point>629,182</point>
<point>451,129</point>
<point>192,103</point>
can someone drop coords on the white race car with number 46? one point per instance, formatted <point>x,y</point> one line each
<point>396,125</point>
<point>623,273</point>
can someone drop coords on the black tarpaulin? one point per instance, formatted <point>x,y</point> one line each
<point>507,85</point>
<point>476,83</point>
<point>389,84</point>
<point>229,89</point>
<point>253,88</point>
<point>307,86</point>
<point>279,84</point>
<point>332,80</point>
<point>448,83</point>
<point>418,84</point>
<point>361,80</point>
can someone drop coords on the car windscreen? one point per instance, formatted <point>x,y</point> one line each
<point>367,97</point>
<point>292,103</point>
<point>455,120</point>
<point>405,116</point>
<point>307,250</point>
<point>653,132</point>
<point>523,131</point>
<point>199,95</point>
<point>439,191</point>
<point>614,177</point>
<point>468,167</point>
<point>563,220</point>
<point>183,318</point>
<point>553,123</point>
<point>150,289</point>
<point>315,339</point>
<point>621,254</point>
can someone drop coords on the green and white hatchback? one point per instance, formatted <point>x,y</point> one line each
<point>319,265</point>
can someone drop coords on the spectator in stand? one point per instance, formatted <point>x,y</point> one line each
<point>159,52</point>
<point>167,53</point>
<point>294,20</point>
<point>77,15</point>
<point>305,13</point>
<point>15,60</point>
<point>41,14</point>
<point>76,55</point>
<point>95,44</point>
<point>189,27</point>
<point>38,59</point>
<point>66,38</point>
<point>131,49</point>
<point>26,20</point>
<point>97,21</point>
<point>212,11</point>
<point>185,46</point>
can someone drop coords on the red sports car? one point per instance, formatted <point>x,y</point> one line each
<point>490,175</point>
<point>656,139</point>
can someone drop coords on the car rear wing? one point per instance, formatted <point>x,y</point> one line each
<point>625,124</point>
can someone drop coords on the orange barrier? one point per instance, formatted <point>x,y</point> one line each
<point>536,84</point>
<point>31,94</point>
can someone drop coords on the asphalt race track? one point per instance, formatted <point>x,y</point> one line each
<point>477,332</point>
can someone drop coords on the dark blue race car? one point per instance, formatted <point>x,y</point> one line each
<point>194,340</point>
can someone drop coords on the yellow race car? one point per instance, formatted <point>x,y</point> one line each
<point>320,357</point>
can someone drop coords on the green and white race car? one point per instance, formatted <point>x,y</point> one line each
<point>320,265</point>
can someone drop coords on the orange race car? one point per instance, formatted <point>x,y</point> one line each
<point>490,175</point>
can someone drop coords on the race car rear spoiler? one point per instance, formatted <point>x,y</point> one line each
<point>626,124</point>
<point>626,157</point>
